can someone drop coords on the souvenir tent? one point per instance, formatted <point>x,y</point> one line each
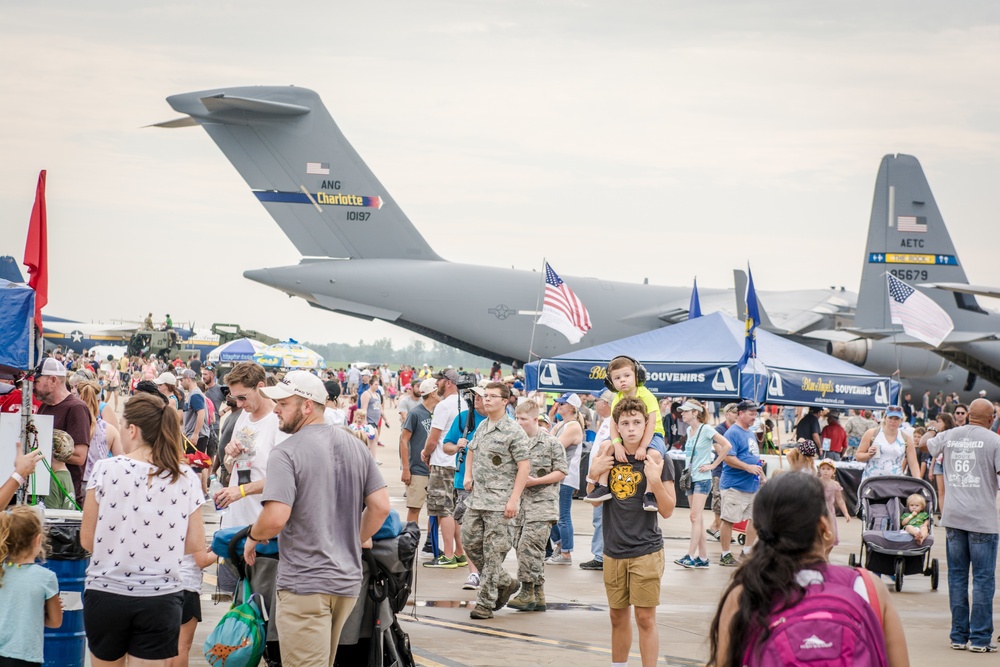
<point>701,358</point>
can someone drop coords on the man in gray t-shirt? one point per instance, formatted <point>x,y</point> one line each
<point>971,463</point>
<point>325,495</point>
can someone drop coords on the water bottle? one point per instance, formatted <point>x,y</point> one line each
<point>214,486</point>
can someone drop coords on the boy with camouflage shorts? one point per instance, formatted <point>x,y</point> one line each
<point>539,508</point>
<point>496,470</point>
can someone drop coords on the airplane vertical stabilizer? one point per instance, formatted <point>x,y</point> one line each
<point>906,237</point>
<point>300,166</point>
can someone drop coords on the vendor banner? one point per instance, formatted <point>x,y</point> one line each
<point>706,380</point>
<point>788,387</point>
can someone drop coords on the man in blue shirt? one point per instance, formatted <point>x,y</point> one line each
<point>741,473</point>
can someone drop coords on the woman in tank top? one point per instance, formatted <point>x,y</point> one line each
<point>570,434</point>
<point>885,448</point>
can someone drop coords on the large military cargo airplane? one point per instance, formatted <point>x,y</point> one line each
<point>363,257</point>
<point>907,237</point>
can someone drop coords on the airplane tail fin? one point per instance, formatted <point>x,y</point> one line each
<point>300,166</point>
<point>908,238</point>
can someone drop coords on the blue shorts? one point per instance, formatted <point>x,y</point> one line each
<point>703,487</point>
<point>658,444</point>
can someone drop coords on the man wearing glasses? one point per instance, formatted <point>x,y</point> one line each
<point>496,471</point>
<point>961,414</point>
<point>254,436</point>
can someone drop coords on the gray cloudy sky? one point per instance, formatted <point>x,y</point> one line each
<point>703,134</point>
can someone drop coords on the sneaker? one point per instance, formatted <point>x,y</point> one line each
<point>592,565</point>
<point>472,583</point>
<point>686,561</point>
<point>462,561</point>
<point>701,563</point>
<point>728,561</point>
<point>599,494</point>
<point>559,559</point>
<point>989,648</point>
<point>714,534</point>
<point>481,612</point>
<point>428,548</point>
<point>649,503</point>
<point>443,562</point>
<point>959,647</point>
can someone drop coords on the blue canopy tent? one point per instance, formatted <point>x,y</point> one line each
<point>17,308</point>
<point>700,358</point>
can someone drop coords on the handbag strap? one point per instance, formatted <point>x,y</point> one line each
<point>694,449</point>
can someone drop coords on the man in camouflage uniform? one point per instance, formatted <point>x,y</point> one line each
<point>539,508</point>
<point>496,471</point>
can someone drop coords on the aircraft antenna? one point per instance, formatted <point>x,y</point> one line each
<point>538,301</point>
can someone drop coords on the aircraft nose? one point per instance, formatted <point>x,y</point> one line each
<point>262,276</point>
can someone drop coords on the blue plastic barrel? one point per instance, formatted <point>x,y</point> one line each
<point>66,646</point>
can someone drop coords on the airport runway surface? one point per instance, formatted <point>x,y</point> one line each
<point>576,630</point>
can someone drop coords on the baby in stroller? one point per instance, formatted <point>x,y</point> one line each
<point>916,520</point>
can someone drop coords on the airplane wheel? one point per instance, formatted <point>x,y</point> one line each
<point>852,561</point>
<point>742,539</point>
<point>899,575</point>
<point>935,574</point>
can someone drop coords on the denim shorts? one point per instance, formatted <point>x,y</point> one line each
<point>703,487</point>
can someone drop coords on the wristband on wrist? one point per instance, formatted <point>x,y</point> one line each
<point>243,491</point>
<point>250,533</point>
<point>16,476</point>
<point>617,441</point>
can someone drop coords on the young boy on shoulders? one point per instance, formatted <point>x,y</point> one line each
<point>633,543</point>
<point>627,376</point>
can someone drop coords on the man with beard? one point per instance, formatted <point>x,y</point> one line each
<point>326,496</point>
<point>71,415</point>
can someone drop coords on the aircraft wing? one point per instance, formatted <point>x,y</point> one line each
<point>965,288</point>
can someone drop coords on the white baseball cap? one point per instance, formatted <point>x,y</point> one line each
<point>298,383</point>
<point>167,378</point>
<point>428,386</point>
<point>52,366</point>
<point>570,398</point>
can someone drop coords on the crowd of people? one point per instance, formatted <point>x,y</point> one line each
<point>497,469</point>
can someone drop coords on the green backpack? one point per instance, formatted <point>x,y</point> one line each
<point>238,639</point>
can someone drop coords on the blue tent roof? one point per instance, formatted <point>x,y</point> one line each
<point>699,357</point>
<point>17,308</point>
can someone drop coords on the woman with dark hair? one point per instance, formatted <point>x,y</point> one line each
<point>786,568</point>
<point>141,516</point>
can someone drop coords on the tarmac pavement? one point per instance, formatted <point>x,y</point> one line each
<point>576,629</point>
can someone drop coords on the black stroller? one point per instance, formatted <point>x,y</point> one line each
<point>388,580</point>
<point>885,548</point>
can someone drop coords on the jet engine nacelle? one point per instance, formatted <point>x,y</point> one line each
<point>883,357</point>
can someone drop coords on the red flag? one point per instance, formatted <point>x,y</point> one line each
<point>36,254</point>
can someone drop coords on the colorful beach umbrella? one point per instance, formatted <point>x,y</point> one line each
<point>241,349</point>
<point>289,354</point>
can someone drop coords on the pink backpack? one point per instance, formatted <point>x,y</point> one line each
<point>830,626</point>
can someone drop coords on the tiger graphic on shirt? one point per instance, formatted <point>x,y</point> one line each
<point>624,481</point>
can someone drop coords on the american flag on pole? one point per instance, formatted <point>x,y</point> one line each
<point>917,313</point>
<point>562,310</point>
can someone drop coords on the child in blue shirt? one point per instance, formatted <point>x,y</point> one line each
<point>29,593</point>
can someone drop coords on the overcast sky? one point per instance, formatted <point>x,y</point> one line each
<point>702,135</point>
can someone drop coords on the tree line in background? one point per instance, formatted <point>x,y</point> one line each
<point>417,353</point>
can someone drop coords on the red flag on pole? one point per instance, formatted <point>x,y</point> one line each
<point>36,254</point>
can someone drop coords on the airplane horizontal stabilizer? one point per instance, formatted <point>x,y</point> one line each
<point>965,288</point>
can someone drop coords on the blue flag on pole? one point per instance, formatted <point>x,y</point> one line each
<point>752,320</point>
<point>694,308</point>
